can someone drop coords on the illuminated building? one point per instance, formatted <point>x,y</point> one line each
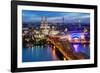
<point>53,31</point>
<point>44,27</point>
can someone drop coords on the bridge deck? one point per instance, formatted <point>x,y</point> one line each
<point>66,49</point>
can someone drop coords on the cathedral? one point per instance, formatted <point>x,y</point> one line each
<point>44,27</point>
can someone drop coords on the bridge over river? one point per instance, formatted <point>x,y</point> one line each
<point>56,49</point>
<point>65,48</point>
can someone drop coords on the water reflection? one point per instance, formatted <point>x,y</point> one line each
<point>48,52</point>
<point>38,53</point>
<point>82,48</point>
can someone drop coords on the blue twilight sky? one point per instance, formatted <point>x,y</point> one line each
<point>55,17</point>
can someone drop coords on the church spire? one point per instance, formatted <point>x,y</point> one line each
<point>44,26</point>
<point>44,20</point>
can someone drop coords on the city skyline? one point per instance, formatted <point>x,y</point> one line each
<point>30,16</point>
<point>47,37</point>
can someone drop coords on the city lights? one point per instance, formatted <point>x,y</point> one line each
<point>55,40</point>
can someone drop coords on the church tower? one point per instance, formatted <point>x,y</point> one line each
<point>44,27</point>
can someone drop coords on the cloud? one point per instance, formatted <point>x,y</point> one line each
<point>55,17</point>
